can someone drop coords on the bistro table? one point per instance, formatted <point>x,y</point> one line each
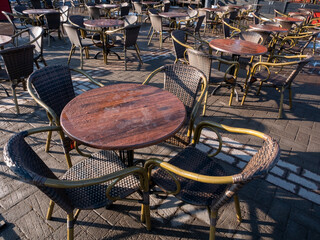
<point>287,22</point>
<point>123,117</point>
<point>104,24</point>
<point>39,11</point>
<point>4,39</point>
<point>172,16</point>
<point>265,30</point>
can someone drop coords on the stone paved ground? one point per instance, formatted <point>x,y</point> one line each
<point>284,206</point>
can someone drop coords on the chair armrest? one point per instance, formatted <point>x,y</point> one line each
<point>88,76</point>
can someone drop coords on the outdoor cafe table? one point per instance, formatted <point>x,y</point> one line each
<point>265,30</point>
<point>4,39</point>
<point>103,24</point>
<point>39,11</point>
<point>107,7</point>
<point>123,117</point>
<point>287,22</point>
<point>172,16</point>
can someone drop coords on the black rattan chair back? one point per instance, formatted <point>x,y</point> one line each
<point>53,84</point>
<point>199,24</point>
<point>25,163</point>
<point>52,20</point>
<point>94,12</point>
<point>77,20</point>
<point>124,10</point>
<point>131,34</point>
<point>178,48</point>
<point>226,28</point>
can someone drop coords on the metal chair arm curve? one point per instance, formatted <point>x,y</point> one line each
<point>88,76</point>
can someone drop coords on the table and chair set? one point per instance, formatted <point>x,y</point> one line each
<point>115,120</point>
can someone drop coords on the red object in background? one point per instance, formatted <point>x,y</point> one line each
<point>4,6</point>
<point>316,15</point>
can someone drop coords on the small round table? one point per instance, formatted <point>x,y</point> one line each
<point>4,39</point>
<point>287,22</point>
<point>238,47</point>
<point>173,14</point>
<point>213,9</point>
<point>265,30</point>
<point>103,24</point>
<point>123,117</point>
<point>39,11</point>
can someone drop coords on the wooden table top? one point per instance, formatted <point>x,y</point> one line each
<point>173,14</point>
<point>304,14</point>
<point>213,9</point>
<point>104,5</point>
<point>150,3</point>
<point>4,39</point>
<point>288,19</point>
<point>103,23</point>
<point>39,11</point>
<point>238,47</point>
<point>123,116</point>
<point>267,28</point>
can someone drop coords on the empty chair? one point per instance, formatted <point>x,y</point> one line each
<point>52,24</point>
<point>228,30</point>
<point>73,34</point>
<point>185,82</point>
<point>51,87</point>
<point>94,12</point>
<point>195,29</point>
<point>36,39</point>
<point>64,15</point>
<point>93,183</point>
<point>138,8</point>
<point>18,63</point>
<point>124,9</point>
<point>157,27</point>
<point>278,75</point>
<point>198,178</point>
<point>129,39</point>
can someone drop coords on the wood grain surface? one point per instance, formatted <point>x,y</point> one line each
<point>123,116</point>
<point>103,23</point>
<point>267,28</point>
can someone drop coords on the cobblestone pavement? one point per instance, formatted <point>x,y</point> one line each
<point>284,206</point>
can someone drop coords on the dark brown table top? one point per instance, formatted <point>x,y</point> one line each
<point>173,14</point>
<point>150,3</point>
<point>104,5</point>
<point>304,14</point>
<point>39,11</point>
<point>267,28</point>
<point>238,47</point>
<point>4,39</point>
<point>288,19</point>
<point>123,116</point>
<point>103,23</point>
<point>214,9</point>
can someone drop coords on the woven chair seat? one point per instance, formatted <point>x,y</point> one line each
<point>181,139</point>
<point>274,78</point>
<point>196,193</point>
<point>99,164</point>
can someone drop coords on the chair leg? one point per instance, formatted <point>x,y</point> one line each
<point>231,95</point>
<point>44,61</point>
<point>237,205</point>
<point>70,223</point>
<point>281,103</point>
<point>290,97</point>
<point>81,58</point>
<point>160,39</point>
<point>245,94</point>
<point>138,54</point>
<point>125,59</point>
<point>48,140</point>
<point>86,50</point>
<point>70,54</point>
<point>213,220</point>
<point>37,64</point>
<point>149,31</point>
<point>48,36</point>
<point>151,38</point>
<point>15,98</point>
<point>259,89</point>
<point>205,103</point>
<point>50,210</point>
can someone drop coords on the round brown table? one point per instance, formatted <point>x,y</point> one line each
<point>107,6</point>
<point>238,47</point>
<point>288,19</point>
<point>304,14</point>
<point>39,11</point>
<point>103,24</point>
<point>4,39</point>
<point>267,28</point>
<point>173,14</point>
<point>150,3</point>
<point>213,9</point>
<point>123,117</point>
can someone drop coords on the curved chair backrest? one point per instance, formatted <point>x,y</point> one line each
<point>156,22</point>
<point>53,85</point>
<point>131,34</point>
<point>25,163</point>
<point>73,34</point>
<point>90,4</point>
<point>9,17</point>
<point>226,28</point>
<point>36,38</point>
<point>137,7</point>
<point>94,12</point>
<point>130,20</point>
<point>18,61</point>
<point>251,37</point>
<point>233,15</point>
<point>36,4</point>
<point>64,11</point>
<point>52,20</point>
<point>199,23</point>
<point>153,11</point>
<point>192,12</point>
<point>184,81</point>
<point>201,61</point>
<point>178,48</point>
<point>296,71</point>
<point>77,20</point>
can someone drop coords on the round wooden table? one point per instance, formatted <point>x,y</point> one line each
<point>267,28</point>
<point>4,39</point>
<point>107,6</point>
<point>39,11</point>
<point>173,14</point>
<point>149,3</point>
<point>288,19</point>
<point>213,9</point>
<point>238,47</point>
<point>123,117</point>
<point>104,24</point>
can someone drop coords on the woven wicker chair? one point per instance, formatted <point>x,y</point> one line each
<point>279,73</point>
<point>195,28</point>
<point>185,82</point>
<point>158,27</point>
<point>127,40</point>
<point>52,24</point>
<point>73,34</point>
<point>51,87</point>
<point>94,12</point>
<point>18,63</point>
<point>92,183</point>
<point>227,78</point>
<point>198,179</point>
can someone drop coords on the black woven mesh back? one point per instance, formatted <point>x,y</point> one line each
<point>26,164</point>
<point>226,28</point>
<point>201,61</point>
<point>20,8</point>
<point>199,23</point>
<point>77,20</point>
<point>18,61</point>
<point>233,15</point>
<point>184,82</point>
<point>124,10</point>
<point>178,48</point>
<point>53,85</point>
<point>52,20</point>
<point>131,35</point>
